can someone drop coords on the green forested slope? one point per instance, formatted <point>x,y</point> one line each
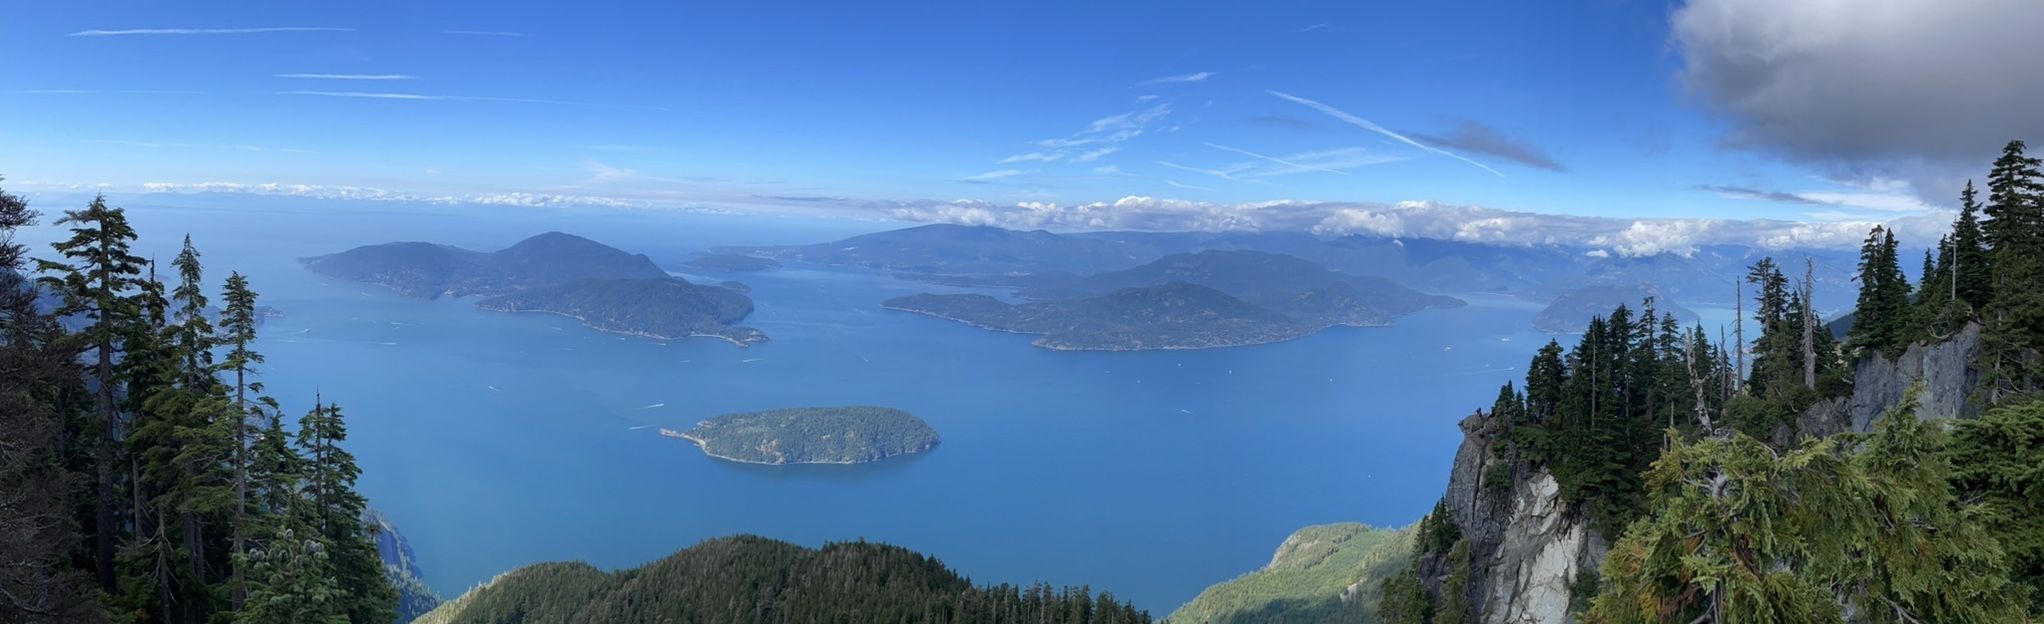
<point>754,579</point>
<point>1308,580</point>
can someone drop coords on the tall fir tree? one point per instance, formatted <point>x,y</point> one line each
<point>2015,313</point>
<point>336,513</point>
<point>1970,268</point>
<point>96,286</point>
<point>238,322</point>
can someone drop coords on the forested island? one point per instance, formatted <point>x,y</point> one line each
<point>665,308</point>
<point>1185,301</point>
<point>811,435</point>
<point>605,288</point>
<point>431,270</point>
<point>755,579</point>
<point>734,262</point>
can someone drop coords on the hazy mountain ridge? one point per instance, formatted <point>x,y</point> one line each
<point>1572,309</point>
<point>943,253</point>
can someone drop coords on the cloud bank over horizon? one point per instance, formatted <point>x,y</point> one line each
<point>1412,219</point>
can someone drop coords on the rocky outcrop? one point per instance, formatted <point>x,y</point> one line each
<point>415,598</point>
<point>1945,368</point>
<point>1527,545</point>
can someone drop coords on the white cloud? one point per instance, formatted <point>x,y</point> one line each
<point>1178,79</point>
<point>992,175</point>
<point>1366,124</point>
<point>1100,138</point>
<point>349,76</point>
<point>1033,157</point>
<point>1110,170</point>
<point>205,31</point>
<point>1183,185</point>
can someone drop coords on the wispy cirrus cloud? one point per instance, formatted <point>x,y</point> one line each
<point>205,31</point>
<point>1178,79</point>
<point>1313,27</point>
<point>1102,137</point>
<point>1225,174</point>
<point>347,76</point>
<point>1366,124</point>
<point>387,95</point>
<point>991,175</point>
<point>1185,186</point>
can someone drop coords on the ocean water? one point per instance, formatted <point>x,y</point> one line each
<point>497,440</point>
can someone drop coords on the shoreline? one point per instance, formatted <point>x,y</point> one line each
<point>704,446</point>
<point>628,332</point>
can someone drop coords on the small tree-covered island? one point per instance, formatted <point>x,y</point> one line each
<point>854,434</point>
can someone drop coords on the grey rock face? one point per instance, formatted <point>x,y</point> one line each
<point>1527,545</point>
<point>1879,384</point>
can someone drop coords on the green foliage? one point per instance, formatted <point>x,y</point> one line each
<point>1740,532</point>
<point>2015,314</point>
<point>814,435</point>
<point>1883,321</point>
<point>428,270</point>
<point>1998,460</point>
<point>753,579</point>
<point>1309,579</point>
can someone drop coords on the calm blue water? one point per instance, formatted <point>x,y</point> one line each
<point>498,440</point>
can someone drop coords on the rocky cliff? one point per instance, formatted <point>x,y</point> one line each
<point>1527,546</point>
<point>1944,367</point>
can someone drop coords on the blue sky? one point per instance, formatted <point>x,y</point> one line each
<point>1586,108</point>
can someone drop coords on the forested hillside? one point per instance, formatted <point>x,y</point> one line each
<point>144,474</point>
<point>754,579</point>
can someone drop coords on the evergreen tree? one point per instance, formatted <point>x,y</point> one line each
<point>1742,533</point>
<point>38,582</point>
<point>1882,321</point>
<point>1970,268</point>
<point>2015,314</point>
<point>1998,460</point>
<point>335,514</point>
<point>238,328</point>
<point>96,287</point>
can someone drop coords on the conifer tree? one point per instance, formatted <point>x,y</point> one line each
<point>38,583</point>
<point>336,512</point>
<point>238,329</point>
<point>2015,314</point>
<point>1971,271</point>
<point>96,287</point>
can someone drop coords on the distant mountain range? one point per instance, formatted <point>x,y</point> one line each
<point>1572,310</point>
<point>939,252</point>
<point>1183,301</point>
<point>430,270</point>
<point>606,288</point>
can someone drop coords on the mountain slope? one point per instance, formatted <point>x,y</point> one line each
<point>754,579</point>
<point>1326,573</point>
<point>429,270</point>
<point>965,249</point>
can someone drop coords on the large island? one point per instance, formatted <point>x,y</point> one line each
<point>1182,301</point>
<point>811,435</point>
<point>606,288</point>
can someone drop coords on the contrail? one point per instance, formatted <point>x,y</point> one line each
<point>1373,127</point>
